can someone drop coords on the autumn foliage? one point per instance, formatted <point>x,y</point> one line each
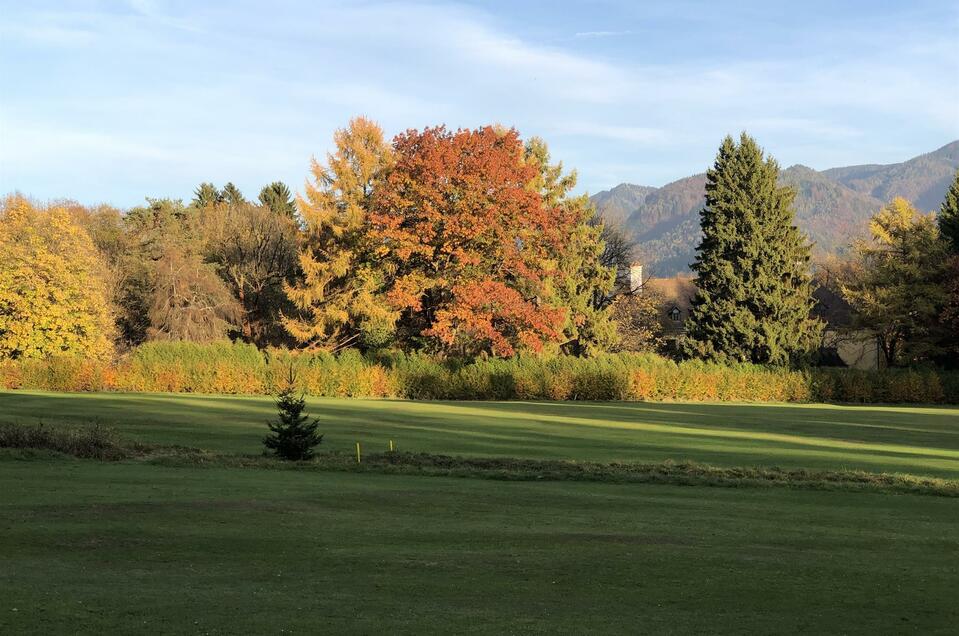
<point>444,241</point>
<point>466,242</point>
<point>334,297</point>
<point>54,296</point>
<point>461,248</point>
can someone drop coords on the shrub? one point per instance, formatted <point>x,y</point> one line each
<point>602,378</point>
<point>187,367</point>
<point>242,369</point>
<point>92,442</point>
<point>57,373</point>
<point>422,378</point>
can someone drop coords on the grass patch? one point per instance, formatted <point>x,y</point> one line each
<point>130,547</point>
<point>532,518</point>
<point>88,442</point>
<point>516,469</point>
<point>101,443</point>
<point>876,439</point>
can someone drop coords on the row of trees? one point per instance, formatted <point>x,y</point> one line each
<point>84,280</point>
<point>463,243</point>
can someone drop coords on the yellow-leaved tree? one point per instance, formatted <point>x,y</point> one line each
<point>335,298</point>
<point>54,287</point>
<point>896,286</point>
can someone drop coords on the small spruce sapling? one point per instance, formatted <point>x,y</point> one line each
<point>292,436</point>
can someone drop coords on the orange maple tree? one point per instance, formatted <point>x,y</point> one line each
<point>469,245</point>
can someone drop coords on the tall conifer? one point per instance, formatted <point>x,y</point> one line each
<point>232,196</point>
<point>277,197</point>
<point>341,269</point>
<point>754,291</point>
<point>949,216</point>
<point>206,195</point>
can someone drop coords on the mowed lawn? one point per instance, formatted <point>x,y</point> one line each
<point>921,441</point>
<point>99,547</point>
<point>96,547</point>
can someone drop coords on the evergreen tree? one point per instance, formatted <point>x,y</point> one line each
<point>754,292</point>
<point>949,231</point>
<point>231,195</point>
<point>277,197</point>
<point>292,436</point>
<point>582,281</point>
<point>949,216</point>
<point>206,195</point>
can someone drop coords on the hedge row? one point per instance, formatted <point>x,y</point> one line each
<point>243,369</point>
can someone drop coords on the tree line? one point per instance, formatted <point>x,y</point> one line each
<point>461,243</point>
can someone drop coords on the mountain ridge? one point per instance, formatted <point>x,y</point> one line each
<point>832,206</point>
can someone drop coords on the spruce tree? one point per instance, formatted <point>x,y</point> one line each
<point>754,292</point>
<point>277,197</point>
<point>206,195</point>
<point>949,216</point>
<point>292,436</point>
<point>232,195</point>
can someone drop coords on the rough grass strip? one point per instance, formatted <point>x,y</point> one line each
<point>512,469</point>
<point>89,442</point>
<point>40,442</point>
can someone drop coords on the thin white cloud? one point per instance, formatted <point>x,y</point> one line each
<point>261,90</point>
<point>633,134</point>
<point>463,41</point>
<point>816,128</point>
<point>601,34</point>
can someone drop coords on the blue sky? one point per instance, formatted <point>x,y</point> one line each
<point>116,101</point>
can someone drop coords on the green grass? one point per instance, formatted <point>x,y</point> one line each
<point>148,546</point>
<point>921,441</point>
<point>108,548</point>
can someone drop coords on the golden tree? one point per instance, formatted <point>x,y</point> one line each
<point>638,320</point>
<point>896,284</point>
<point>54,290</point>
<point>335,297</point>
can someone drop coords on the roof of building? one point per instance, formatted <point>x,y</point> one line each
<point>677,291</point>
<point>831,307</point>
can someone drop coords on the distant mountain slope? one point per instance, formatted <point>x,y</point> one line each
<point>832,214</point>
<point>832,206</point>
<point>923,179</point>
<point>620,202</point>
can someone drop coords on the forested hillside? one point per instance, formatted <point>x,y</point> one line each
<point>833,206</point>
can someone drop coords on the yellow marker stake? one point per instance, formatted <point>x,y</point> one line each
<point>357,452</point>
<point>391,446</point>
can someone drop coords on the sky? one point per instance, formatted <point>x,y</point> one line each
<point>112,102</point>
